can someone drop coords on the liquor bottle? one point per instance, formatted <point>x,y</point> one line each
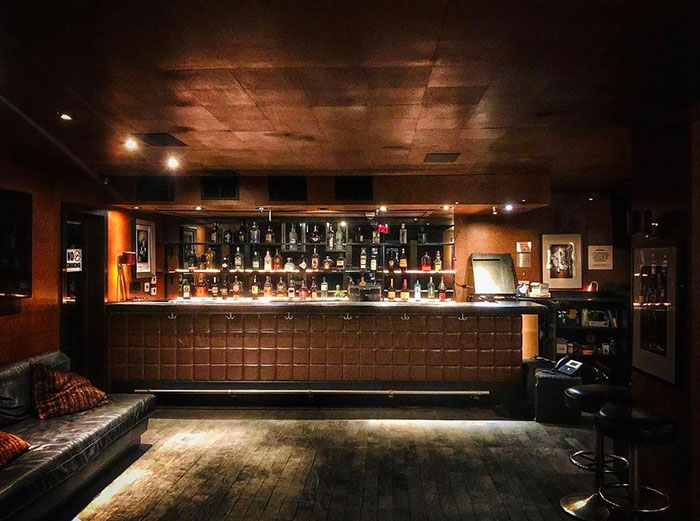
<point>269,234</point>
<point>228,236</point>
<point>281,288</point>
<point>363,259</point>
<point>359,236</point>
<point>238,259</point>
<point>256,260</point>
<point>210,257</point>
<point>242,234</point>
<point>314,289</point>
<point>267,288</point>
<point>277,261</point>
<point>327,263</point>
<point>403,260</point>
<point>255,288</point>
<point>431,289</point>
<point>293,238</point>
<point>314,260</point>
<point>214,235</point>
<point>268,261</point>
<point>338,291</point>
<point>422,236</point>
<point>442,290</point>
<point>290,289</point>
<point>373,262</point>
<point>223,289</point>
<point>339,240</point>
<point>391,262</point>
<point>330,238</point>
<point>405,294</point>
<point>214,288</point>
<point>200,290</point>
<point>186,289</point>
<point>403,234</point>
<point>324,288</point>
<point>202,262</point>
<point>425,262</point>
<point>315,236</point>
<point>236,288</point>
<point>417,291</point>
<point>362,282</point>
<point>289,265</point>
<point>340,262</point>
<point>192,260</point>
<point>376,236</point>
<point>438,261</point>
<point>225,264</point>
<point>391,295</point>
<point>303,290</point>
<point>302,263</point>
<point>254,233</point>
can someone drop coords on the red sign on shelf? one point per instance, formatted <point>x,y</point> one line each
<point>383,228</point>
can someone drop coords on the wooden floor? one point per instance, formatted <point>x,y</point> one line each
<point>376,464</point>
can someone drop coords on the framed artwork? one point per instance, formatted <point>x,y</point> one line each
<point>561,261</point>
<point>188,239</point>
<point>145,241</point>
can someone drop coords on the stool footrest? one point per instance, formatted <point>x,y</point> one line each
<point>651,501</point>
<point>586,460</point>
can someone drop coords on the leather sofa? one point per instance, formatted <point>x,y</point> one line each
<point>66,452</point>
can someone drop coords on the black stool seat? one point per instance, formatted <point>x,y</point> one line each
<point>638,425</point>
<point>591,397</point>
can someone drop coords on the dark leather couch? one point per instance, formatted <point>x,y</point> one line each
<point>66,452</point>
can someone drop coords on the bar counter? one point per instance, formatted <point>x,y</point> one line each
<point>209,345</point>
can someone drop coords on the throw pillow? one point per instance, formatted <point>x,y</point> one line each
<point>11,447</point>
<point>56,393</point>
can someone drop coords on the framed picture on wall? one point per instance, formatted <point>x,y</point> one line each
<point>145,242</point>
<point>561,261</point>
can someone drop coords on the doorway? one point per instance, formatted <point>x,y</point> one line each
<point>83,274</point>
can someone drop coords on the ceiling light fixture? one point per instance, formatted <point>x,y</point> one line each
<point>66,117</point>
<point>136,207</point>
<point>131,144</point>
<point>343,224</point>
<point>509,207</point>
<point>382,208</point>
<point>446,207</point>
<point>523,200</point>
<point>198,208</point>
<point>173,163</point>
<point>590,198</point>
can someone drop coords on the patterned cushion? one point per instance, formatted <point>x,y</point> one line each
<point>11,446</point>
<point>56,393</point>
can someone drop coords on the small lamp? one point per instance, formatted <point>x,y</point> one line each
<point>127,258</point>
<point>592,287</point>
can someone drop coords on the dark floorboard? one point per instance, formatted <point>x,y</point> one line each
<point>345,464</point>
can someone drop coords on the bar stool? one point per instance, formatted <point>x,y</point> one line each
<point>637,426</point>
<point>589,506</point>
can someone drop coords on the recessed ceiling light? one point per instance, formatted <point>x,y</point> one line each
<point>509,207</point>
<point>382,208</point>
<point>66,117</point>
<point>523,200</point>
<point>456,202</point>
<point>590,198</point>
<point>173,163</point>
<point>198,208</point>
<point>446,207</point>
<point>343,224</point>
<point>131,144</point>
<point>415,218</point>
<point>136,207</point>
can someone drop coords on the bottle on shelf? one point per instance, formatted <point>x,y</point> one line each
<point>254,233</point>
<point>186,289</point>
<point>391,263</point>
<point>405,293</point>
<point>228,236</point>
<point>327,263</point>
<point>210,256</point>
<point>277,261</point>
<point>291,289</point>
<point>442,290</point>
<point>425,262</point>
<point>223,288</point>
<point>236,289</point>
<point>203,261</point>
<point>376,236</point>
<point>214,234</point>
<point>417,291</point>
<point>268,261</point>
<point>422,236</point>
<point>403,234</point>
<point>339,239</point>
<point>289,265</point>
<point>438,261</point>
<point>255,288</point>
<point>338,291</point>
<point>314,289</point>
<point>281,288</point>
<point>293,238</point>
<point>201,290</point>
<point>269,234</point>
<point>340,262</point>
<point>267,288</point>
<point>238,259</point>
<point>302,264</point>
<point>255,262</point>
<point>315,236</point>
<point>373,261</point>
<point>403,260</point>
<point>391,294</point>
<point>362,282</point>
<point>324,288</point>
<point>431,289</point>
<point>225,264</point>
<point>314,260</point>
<point>303,290</point>
<point>192,260</point>
<point>214,288</point>
<point>363,259</point>
<point>330,238</point>
<point>242,234</point>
